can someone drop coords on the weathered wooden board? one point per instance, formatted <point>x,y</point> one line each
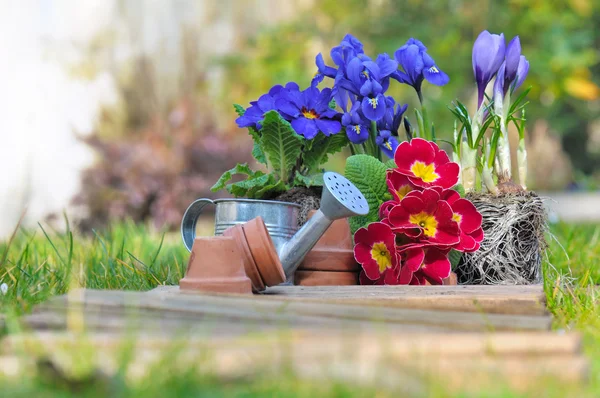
<point>455,361</point>
<point>277,311</point>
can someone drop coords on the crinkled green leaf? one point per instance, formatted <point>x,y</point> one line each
<point>313,180</point>
<point>280,143</point>
<point>239,109</point>
<point>454,256</point>
<point>320,149</point>
<point>257,151</point>
<point>332,104</point>
<point>238,169</point>
<point>390,164</point>
<point>368,174</point>
<point>460,189</point>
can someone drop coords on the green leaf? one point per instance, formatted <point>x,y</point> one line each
<point>257,151</point>
<point>368,174</point>
<point>257,186</point>
<point>313,180</point>
<point>460,189</point>
<point>239,109</point>
<point>454,256</point>
<point>323,146</point>
<point>238,169</point>
<point>280,143</point>
<point>332,104</point>
<point>390,164</point>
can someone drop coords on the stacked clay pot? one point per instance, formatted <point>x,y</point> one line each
<point>331,261</point>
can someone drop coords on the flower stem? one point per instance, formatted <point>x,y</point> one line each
<point>468,160</point>
<point>376,153</point>
<point>522,163</point>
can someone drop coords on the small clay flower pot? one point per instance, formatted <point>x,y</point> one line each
<point>216,265</point>
<point>264,252</point>
<point>333,252</point>
<point>237,233</point>
<point>325,278</point>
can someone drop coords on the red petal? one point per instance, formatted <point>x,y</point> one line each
<point>414,259</point>
<point>436,265</point>
<point>371,269</point>
<point>407,153</point>
<point>384,209</point>
<point>423,150</point>
<point>448,175</point>
<point>441,157</point>
<point>412,204</point>
<point>430,199</point>
<point>406,275</point>
<point>449,195</point>
<point>362,253</point>
<point>467,243</point>
<point>363,279</point>
<point>477,235</point>
<point>418,279</point>
<point>444,212</point>
<point>470,218</point>
<point>363,236</point>
<point>398,217</point>
<point>381,232</point>
<point>391,277</point>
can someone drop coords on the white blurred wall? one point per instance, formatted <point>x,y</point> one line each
<point>43,104</point>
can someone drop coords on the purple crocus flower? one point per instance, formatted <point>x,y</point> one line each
<point>387,143</point>
<point>488,55</point>
<point>417,66</point>
<point>309,111</point>
<point>357,127</point>
<point>507,74</point>
<point>255,113</point>
<point>522,71</point>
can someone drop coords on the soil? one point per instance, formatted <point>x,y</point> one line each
<point>514,226</point>
<point>308,198</point>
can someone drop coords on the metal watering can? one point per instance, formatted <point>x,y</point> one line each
<point>340,199</point>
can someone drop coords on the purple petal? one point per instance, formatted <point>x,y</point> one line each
<point>366,88</point>
<point>357,133</point>
<point>324,69</point>
<point>266,103</point>
<point>412,62</point>
<point>287,107</point>
<point>373,69</point>
<point>353,70</point>
<point>488,55</point>
<point>374,108</point>
<point>305,127</point>
<point>522,71</point>
<point>513,54</point>
<point>386,65</point>
<point>275,90</point>
<point>328,127</point>
<point>499,86</point>
<point>436,76</point>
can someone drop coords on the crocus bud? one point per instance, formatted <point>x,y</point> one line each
<point>488,55</point>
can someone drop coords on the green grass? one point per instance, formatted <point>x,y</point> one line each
<point>41,263</point>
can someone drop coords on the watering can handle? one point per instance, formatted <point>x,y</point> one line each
<point>188,223</point>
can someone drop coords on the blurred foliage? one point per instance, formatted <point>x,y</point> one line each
<point>154,172</point>
<point>560,39</point>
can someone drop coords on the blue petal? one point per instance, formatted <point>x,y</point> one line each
<point>512,57</point>
<point>389,146</point>
<point>324,69</point>
<point>499,86</point>
<point>292,86</point>
<point>398,117</point>
<point>328,127</point>
<point>386,65</point>
<point>435,76</point>
<point>417,43</point>
<point>374,108</point>
<point>400,76</point>
<point>245,121</point>
<point>317,78</point>
<point>305,127</point>
<point>346,119</point>
<point>275,90</point>
<point>354,70</point>
<point>522,72</point>
<point>373,69</point>
<point>358,133</point>
<point>287,107</point>
<point>266,102</point>
<point>412,62</point>
<point>366,88</point>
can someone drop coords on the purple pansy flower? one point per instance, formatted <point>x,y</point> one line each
<point>387,143</point>
<point>357,127</point>
<point>488,55</point>
<point>309,111</point>
<point>417,66</point>
<point>255,113</point>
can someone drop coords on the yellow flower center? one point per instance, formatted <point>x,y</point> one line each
<point>365,73</point>
<point>309,113</point>
<point>425,221</point>
<point>425,172</point>
<point>433,69</point>
<point>373,102</point>
<point>388,145</point>
<point>457,217</point>
<point>382,256</point>
<point>403,191</point>
<point>357,129</point>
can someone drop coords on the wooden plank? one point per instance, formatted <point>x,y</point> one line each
<point>280,311</point>
<point>517,300</point>
<point>357,358</point>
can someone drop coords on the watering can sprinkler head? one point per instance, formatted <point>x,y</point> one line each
<point>340,199</point>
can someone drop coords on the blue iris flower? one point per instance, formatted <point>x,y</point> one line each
<point>309,111</point>
<point>387,143</point>
<point>392,119</point>
<point>417,66</point>
<point>357,127</point>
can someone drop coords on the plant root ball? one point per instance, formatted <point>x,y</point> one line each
<point>308,199</point>
<point>514,225</point>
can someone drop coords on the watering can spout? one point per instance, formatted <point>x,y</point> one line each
<point>340,199</point>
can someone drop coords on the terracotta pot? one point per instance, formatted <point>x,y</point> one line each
<point>334,251</point>
<point>264,252</point>
<point>216,265</point>
<point>237,233</point>
<point>325,278</point>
